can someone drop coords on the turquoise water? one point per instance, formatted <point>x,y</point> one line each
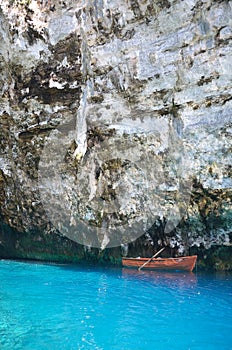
<point>45,307</point>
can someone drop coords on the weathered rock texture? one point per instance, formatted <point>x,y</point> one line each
<point>102,94</point>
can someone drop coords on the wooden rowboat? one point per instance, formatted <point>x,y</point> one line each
<point>185,263</point>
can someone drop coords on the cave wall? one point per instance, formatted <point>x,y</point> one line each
<point>115,122</point>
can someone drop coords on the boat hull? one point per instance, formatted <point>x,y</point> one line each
<point>185,263</point>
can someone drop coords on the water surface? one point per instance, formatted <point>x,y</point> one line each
<point>59,307</point>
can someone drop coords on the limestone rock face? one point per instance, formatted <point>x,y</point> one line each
<point>116,123</point>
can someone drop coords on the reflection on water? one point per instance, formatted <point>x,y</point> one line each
<point>162,277</point>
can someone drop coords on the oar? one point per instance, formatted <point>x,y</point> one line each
<point>151,258</point>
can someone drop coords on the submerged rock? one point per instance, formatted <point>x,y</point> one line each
<point>116,129</point>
